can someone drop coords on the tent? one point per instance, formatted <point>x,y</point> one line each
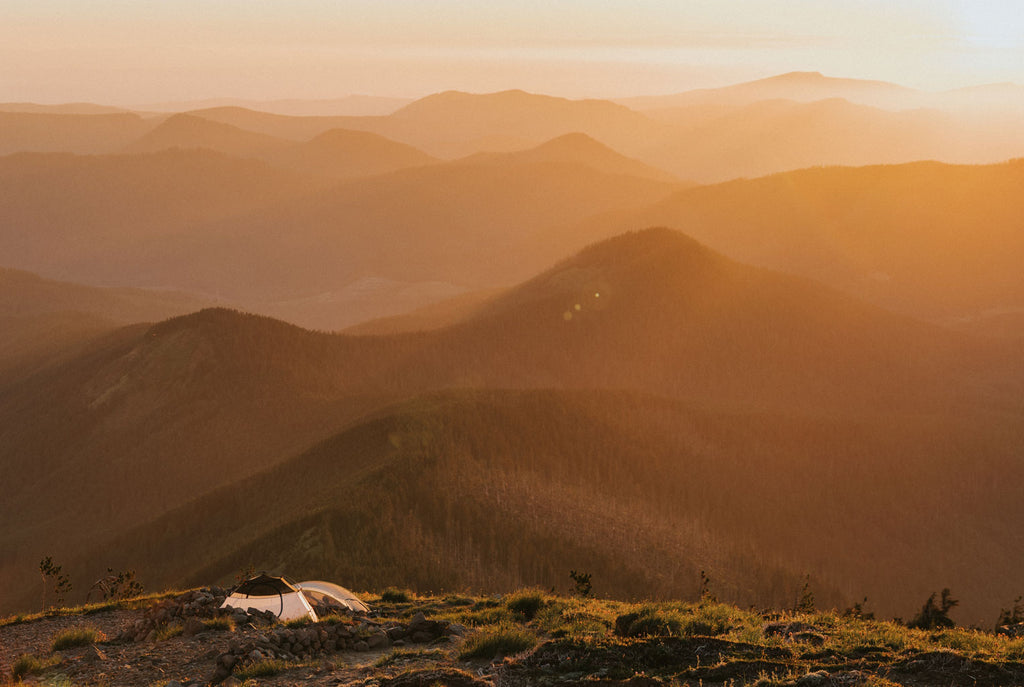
<point>270,593</point>
<point>327,594</point>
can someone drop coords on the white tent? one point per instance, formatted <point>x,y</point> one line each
<point>320,593</point>
<point>269,593</point>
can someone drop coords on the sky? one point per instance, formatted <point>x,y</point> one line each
<point>130,52</point>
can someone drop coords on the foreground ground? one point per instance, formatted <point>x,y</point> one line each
<point>526,638</point>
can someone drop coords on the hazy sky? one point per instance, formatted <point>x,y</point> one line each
<point>137,51</point>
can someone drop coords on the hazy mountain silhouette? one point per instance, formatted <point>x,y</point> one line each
<point>797,86</point>
<point>62,108</point>
<point>707,139</point>
<point>467,225</point>
<point>344,154</point>
<point>351,105</point>
<point>95,219</point>
<point>455,124</point>
<point>933,240</point>
<point>577,147</point>
<point>187,131</point>
<point>69,133</point>
<point>717,144</point>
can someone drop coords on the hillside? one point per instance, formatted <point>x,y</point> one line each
<point>940,242</point>
<point>467,640</point>
<point>494,490</point>
<point>41,318</point>
<point>821,387</point>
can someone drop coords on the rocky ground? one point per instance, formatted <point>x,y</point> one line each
<point>523,639</point>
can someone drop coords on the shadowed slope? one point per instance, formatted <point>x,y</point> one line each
<point>495,490</point>
<point>40,318</point>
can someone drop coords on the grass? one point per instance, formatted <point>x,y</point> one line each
<point>604,638</point>
<point>266,667</point>
<point>525,602</point>
<point>219,624</point>
<point>407,655</point>
<point>70,639</point>
<point>169,631</point>
<point>501,640</point>
<point>396,596</point>
<point>26,665</point>
<point>134,602</point>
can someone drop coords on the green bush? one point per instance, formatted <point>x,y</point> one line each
<point>526,602</point>
<point>30,665</point>
<point>70,639</point>
<point>220,624</point>
<point>504,640</point>
<point>934,615</point>
<point>267,667</point>
<point>395,596</point>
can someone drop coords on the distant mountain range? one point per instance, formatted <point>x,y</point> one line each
<point>622,342</point>
<point>765,331</point>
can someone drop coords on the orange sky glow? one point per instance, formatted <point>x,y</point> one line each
<point>131,52</point>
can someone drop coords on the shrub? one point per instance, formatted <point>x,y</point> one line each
<point>526,602</point>
<point>266,667</point>
<point>1009,617</point>
<point>30,665</point>
<point>504,640</point>
<point>805,604</point>
<point>708,619</point>
<point>933,616</point>
<point>70,639</point>
<point>581,583</point>
<point>220,624</point>
<point>392,595</point>
<point>169,631</point>
<point>55,583</point>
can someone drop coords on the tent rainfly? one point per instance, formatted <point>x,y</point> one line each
<point>319,593</point>
<point>289,600</point>
<point>270,593</point>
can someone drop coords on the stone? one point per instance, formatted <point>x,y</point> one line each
<point>192,627</point>
<point>816,679</point>
<point>421,637</point>
<point>361,646</point>
<point>378,641</point>
<point>228,660</point>
<point>456,629</point>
